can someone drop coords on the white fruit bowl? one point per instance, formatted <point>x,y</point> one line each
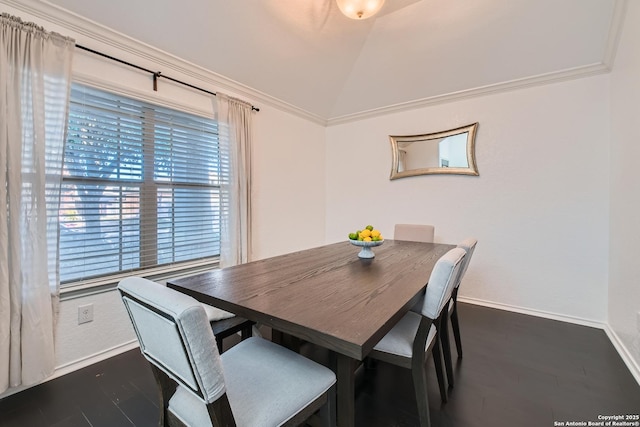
<point>366,251</point>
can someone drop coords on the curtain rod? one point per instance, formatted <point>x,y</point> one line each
<point>156,74</point>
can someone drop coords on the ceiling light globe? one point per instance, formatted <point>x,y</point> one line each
<point>360,9</point>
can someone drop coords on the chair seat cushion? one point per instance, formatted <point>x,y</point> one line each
<point>399,340</point>
<point>214,313</point>
<point>189,409</point>
<point>266,385</point>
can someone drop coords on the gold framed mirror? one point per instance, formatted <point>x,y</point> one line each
<point>447,152</point>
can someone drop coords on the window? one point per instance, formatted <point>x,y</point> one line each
<point>141,187</point>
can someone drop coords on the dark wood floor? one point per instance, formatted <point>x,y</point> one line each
<point>517,370</point>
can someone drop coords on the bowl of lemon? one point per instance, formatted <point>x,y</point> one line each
<point>366,239</point>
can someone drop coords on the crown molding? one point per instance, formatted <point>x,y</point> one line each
<point>538,80</point>
<point>90,33</point>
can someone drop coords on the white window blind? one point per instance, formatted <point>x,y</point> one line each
<point>141,187</point>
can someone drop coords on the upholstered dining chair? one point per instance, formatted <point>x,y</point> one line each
<point>414,232</point>
<point>469,245</point>
<point>254,383</point>
<point>224,324</point>
<point>415,336</point>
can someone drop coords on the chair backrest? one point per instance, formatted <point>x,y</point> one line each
<point>441,282</point>
<point>469,245</point>
<point>175,335</point>
<point>414,232</point>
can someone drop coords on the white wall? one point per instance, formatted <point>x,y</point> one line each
<point>539,207</point>
<point>289,184</point>
<point>624,289</point>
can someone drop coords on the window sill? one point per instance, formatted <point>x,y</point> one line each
<point>99,285</point>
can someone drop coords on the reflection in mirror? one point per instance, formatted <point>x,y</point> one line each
<point>447,152</point>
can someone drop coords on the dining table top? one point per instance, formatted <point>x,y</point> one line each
<point>326,295</point>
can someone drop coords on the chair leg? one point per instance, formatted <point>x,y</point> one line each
<point>246,332</point>
<point>420,386</point>
<point>446,348</point>
<point>327,413</point>
<point>437,362</point>
<point>456,329</point>
<point>166,388</point>
<point>219,344</point>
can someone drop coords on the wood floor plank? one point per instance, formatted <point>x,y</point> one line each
<point>104,413</point>
<point>75,420</point>
<point>139,410</point>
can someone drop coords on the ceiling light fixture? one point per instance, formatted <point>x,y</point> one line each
<point>360,9</point>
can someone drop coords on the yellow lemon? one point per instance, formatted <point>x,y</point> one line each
<point>375,233</point>
<point>367,239</point>
<point>365,233</point>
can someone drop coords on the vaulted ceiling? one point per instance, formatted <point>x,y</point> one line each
<point>307,54</point>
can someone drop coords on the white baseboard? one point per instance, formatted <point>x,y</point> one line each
<point>78,364</point>
<point>94,358</point>
<point>624,353</point>
<point>536,313</point>
<point>613,337</point>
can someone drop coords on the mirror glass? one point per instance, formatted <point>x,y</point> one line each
<point>447,152</point>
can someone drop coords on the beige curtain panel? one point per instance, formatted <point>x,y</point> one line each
<point>235,130</point>
<point>35,77</point>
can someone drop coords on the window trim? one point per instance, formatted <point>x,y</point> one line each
<point>107,283</point>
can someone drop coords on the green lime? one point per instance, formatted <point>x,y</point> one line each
<point>369,227</point>
<point>353,236</point>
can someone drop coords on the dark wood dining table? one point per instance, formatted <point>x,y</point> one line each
<point>327,296</point>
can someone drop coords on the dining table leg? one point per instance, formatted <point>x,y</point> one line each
<point>345,374</point>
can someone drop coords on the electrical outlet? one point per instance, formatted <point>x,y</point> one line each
<point>85,313</point>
